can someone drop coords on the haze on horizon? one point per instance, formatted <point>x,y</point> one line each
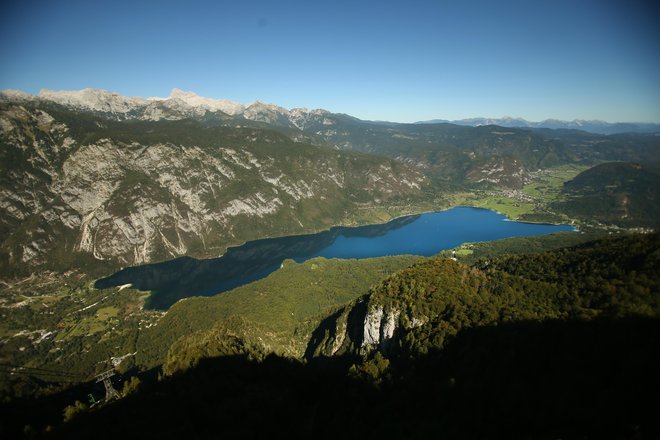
<point>394,61</point>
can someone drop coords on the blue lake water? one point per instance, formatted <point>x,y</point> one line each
<point>425,234</point>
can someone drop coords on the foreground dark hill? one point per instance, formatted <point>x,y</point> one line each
<point>624,194</point>
<point>559,344</point>
<point>424,306</point>
<point>524,380</point>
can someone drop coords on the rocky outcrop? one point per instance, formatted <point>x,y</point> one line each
<point>372,327</point>
<point>380,325</point>
<point>359,328</point>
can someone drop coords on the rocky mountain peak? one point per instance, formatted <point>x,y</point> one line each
<point>93,99</point>
<point>15,95</point>
<point>193,100</point>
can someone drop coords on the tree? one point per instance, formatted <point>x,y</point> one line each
<point>72,411</point>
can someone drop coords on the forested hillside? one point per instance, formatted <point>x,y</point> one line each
<point>422,307</point>
<point>559,343</point>
<point>625,194</point>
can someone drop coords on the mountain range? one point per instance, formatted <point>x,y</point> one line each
<point>551,329</point>
<point>447,152</point>
<point>180,104</point>
<point>591,126</point>
<point>131,192</point>
<point>131,180</point>
<point>185,104</point>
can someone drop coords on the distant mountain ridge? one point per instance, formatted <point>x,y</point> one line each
<point>178,105</point>
<point>450,153</point>
<point>592,126</point>
<point>182,104</point>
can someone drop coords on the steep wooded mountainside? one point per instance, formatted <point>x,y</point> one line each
<point>421,308</point>
<point>453,154</point>
<point>75,187</point>
<point>482,156</point>
<point>624,194</point>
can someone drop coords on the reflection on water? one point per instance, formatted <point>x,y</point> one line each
<point>425,234</point>
<point>183,277</point>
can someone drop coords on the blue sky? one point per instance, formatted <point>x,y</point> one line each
<point>388,60</point>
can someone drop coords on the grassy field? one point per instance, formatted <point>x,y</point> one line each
<point>509,206</point>
<point>532,201</point>
<point>547,184</point>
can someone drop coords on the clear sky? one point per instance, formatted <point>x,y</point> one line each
<point>388,60</point>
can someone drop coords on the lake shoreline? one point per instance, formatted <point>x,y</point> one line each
<point>424,234</point>
<point>395,218</point>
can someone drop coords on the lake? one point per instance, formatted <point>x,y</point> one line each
<point>425,234</point>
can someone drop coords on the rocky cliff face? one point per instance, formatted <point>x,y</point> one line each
<point>425,301</point>
<point>379,327</point>
<point>361,328</point>
<point>127,194</point>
